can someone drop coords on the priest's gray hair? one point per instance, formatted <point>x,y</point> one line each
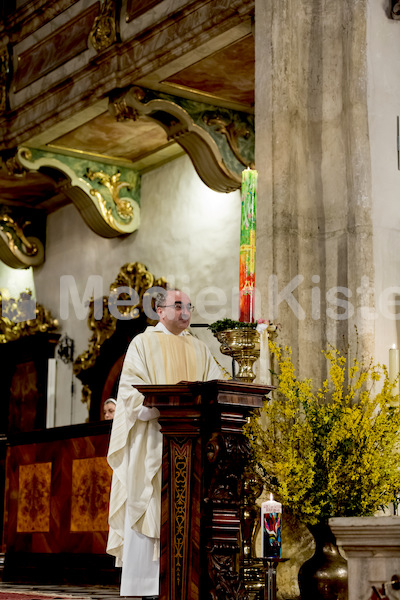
<point>161,297</point>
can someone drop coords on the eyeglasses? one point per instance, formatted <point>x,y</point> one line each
<point>179,306</point>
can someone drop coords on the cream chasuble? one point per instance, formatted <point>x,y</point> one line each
<point>135,451</point>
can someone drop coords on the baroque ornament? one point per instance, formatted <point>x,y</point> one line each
<point>232,131</point>
<point>104,30</point>
<point>23,317</point>
<point>134,276</point>
<point>119,216</point>
<point>179,119</point>
<point>124,207</point>
<point>16,249</point>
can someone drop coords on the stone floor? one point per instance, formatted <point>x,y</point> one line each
<point>87,592</point>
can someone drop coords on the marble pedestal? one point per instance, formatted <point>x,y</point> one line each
<point>372,547</point>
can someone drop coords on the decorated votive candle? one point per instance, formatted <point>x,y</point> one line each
<point>271,529</point>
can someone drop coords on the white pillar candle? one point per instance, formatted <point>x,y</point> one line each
<point>394,368</point>
<point>271,528</point>
<point>51,392</point>
<point>264,358</point>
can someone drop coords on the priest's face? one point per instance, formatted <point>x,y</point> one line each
<point>175,315</point>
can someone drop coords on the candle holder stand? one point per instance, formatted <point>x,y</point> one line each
<point>270,566</point>
<point>251,567</point>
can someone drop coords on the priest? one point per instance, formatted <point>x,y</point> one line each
<point>164,354</point>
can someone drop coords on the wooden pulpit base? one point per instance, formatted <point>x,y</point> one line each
<point>204,456</point>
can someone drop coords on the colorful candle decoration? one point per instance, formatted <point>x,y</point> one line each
<point>394,369</point>
<point>271,529</point>
<point>247,245</point>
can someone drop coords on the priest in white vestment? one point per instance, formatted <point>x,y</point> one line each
<point>165,354</point>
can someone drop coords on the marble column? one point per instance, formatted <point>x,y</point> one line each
<point>313,157</point>
<point>314,225</point>
<point>372,547</point>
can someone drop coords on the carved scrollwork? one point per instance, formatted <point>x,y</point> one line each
<point>180,121</point>
<point>227,585</point>
<point>118,215</point>
<point>134,276</point>
<point>229,455</point>
<point>123,206</point>
<point>16,249</point>
<point>22,317</point>
<point>104,29</point>
<point>233,131</point>
<point>395,13</point>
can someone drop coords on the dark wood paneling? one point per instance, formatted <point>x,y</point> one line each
<point>57,499</point>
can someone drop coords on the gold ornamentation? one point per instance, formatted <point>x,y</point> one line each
<point>23,317</point>
<point>16,250</point>
<point>86,396</point>
<point>134,276</point>
<point>114,185</point>
<point>181,128</point>
<point>123,112</point>
<point>14,167</point>
<point>30,248</point>
<point>104,29</point>
<point>118,215</point>
<point>232,131</point>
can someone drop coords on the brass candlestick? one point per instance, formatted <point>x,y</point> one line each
<point>252,568</point>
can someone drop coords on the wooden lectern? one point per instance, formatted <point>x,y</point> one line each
<point>204,456</point>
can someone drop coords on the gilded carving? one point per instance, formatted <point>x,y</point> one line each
<point>104,29</point>
<point>6,223</point>
<point>134,276</point>
<point>118,215</point>
<point>114,185</point>
<point>180,119</point>
<point>23,317</point>
<point>102,330</point>
<point>18,250</point>
<point>233,131</point>
<point>123,112</point>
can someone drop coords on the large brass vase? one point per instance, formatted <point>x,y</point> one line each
<point>324,575</point>
<point>243,345</point>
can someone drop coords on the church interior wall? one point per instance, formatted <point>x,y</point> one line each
<point>383,98</point>
<point>188,234</point>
